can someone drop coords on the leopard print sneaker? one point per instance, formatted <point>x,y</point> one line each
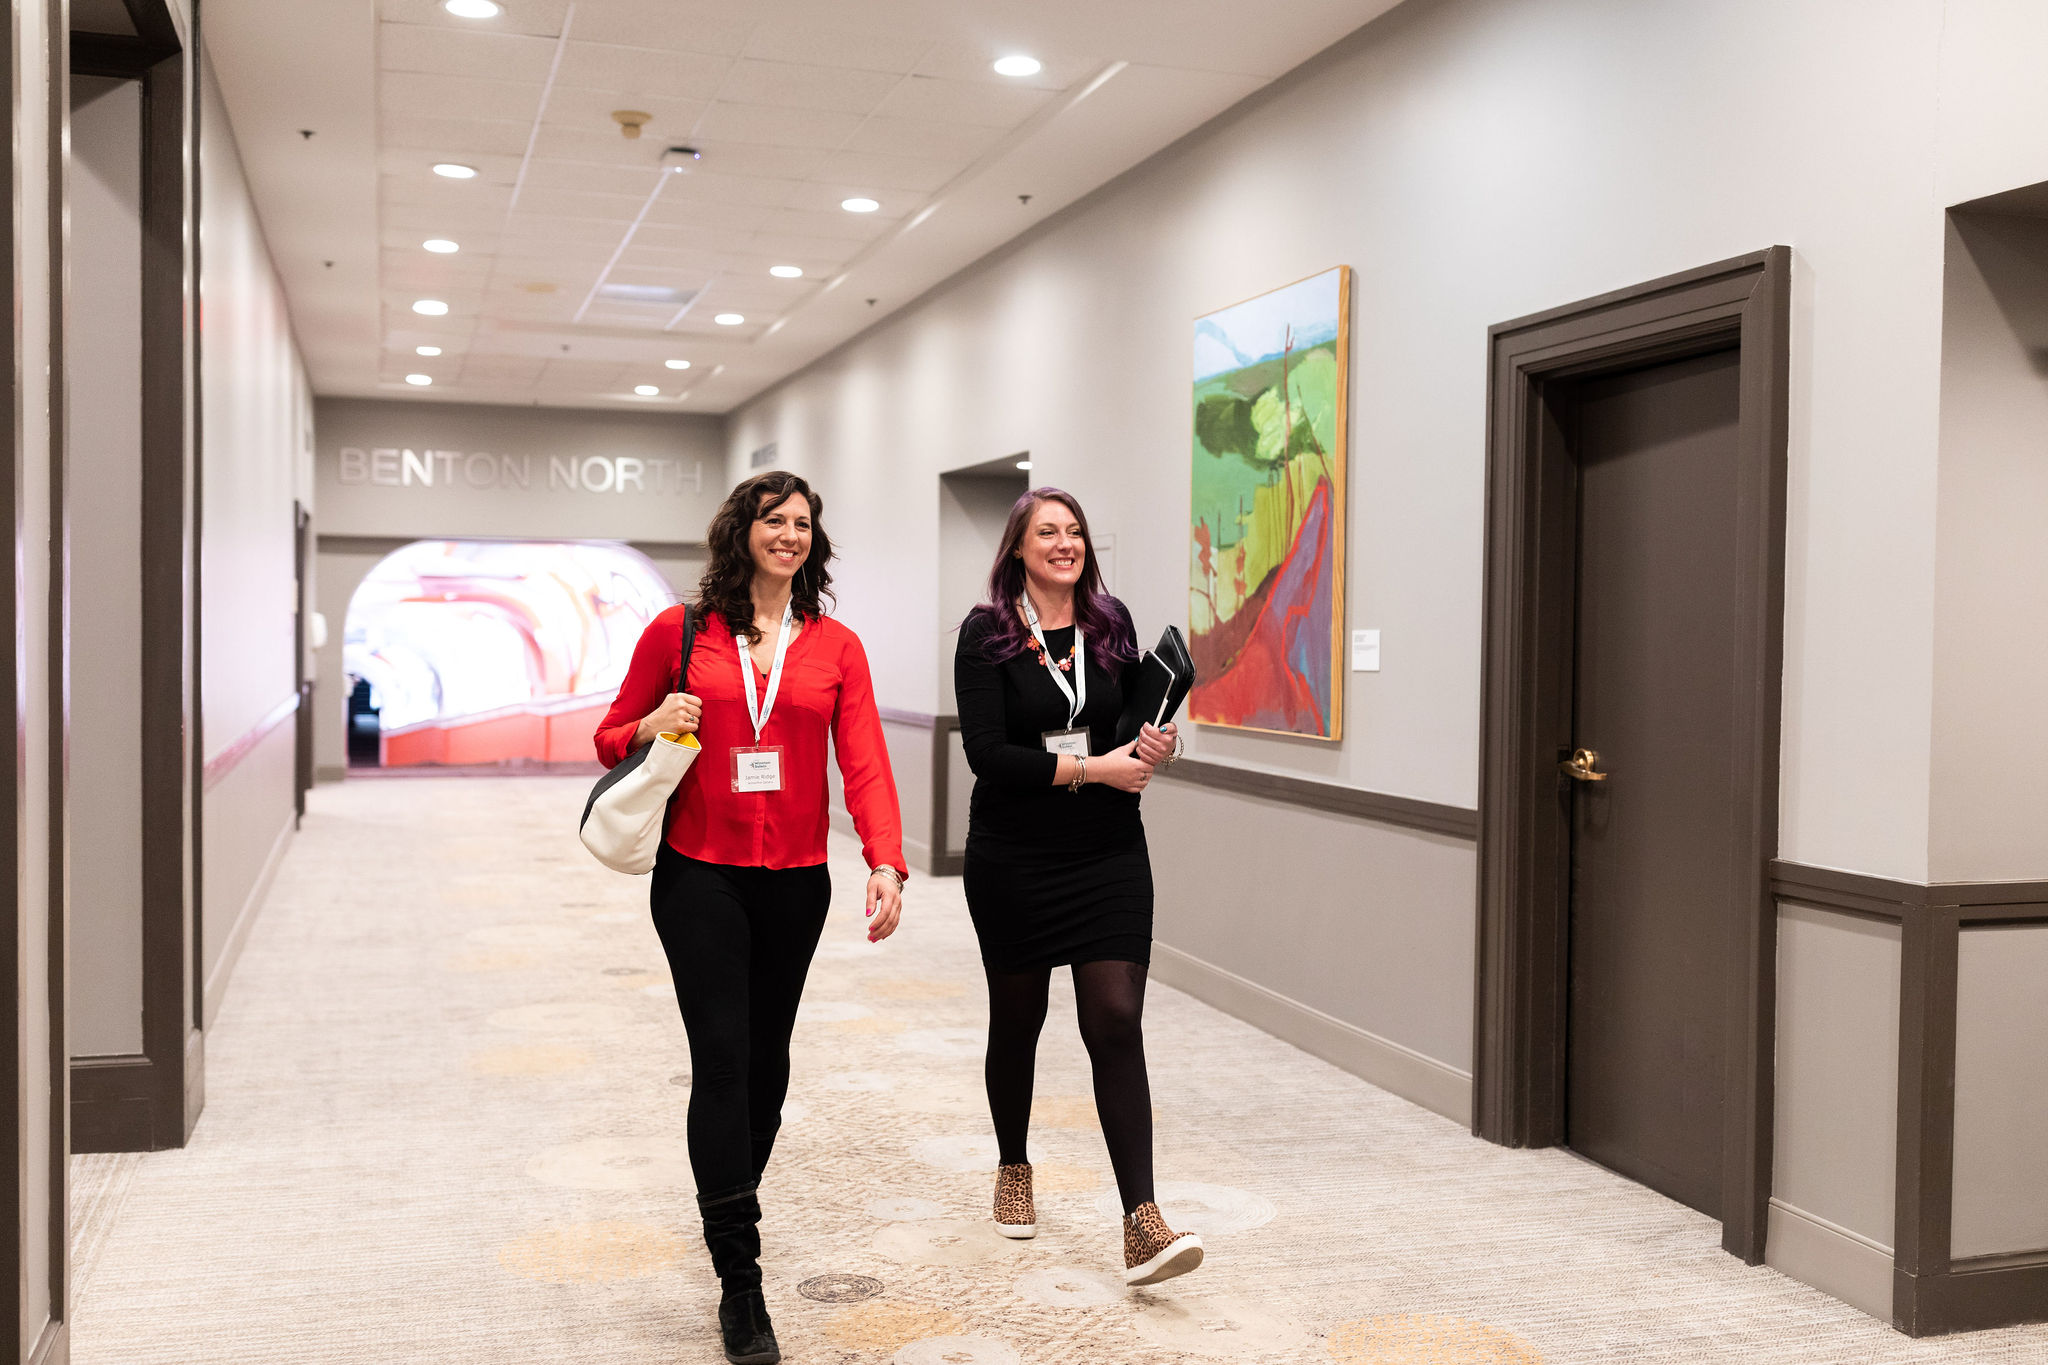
<point>1016,1214</point>
<point>1154,1251</point>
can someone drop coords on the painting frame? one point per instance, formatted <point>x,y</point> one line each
<point>1328,685</point>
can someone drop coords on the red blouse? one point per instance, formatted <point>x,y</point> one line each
<point>825,686</point>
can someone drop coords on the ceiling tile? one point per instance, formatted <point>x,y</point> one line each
<point>835,223</point>
<point>710,188</point>
<point>799,249</point>
<point>499,56</point>
<point>616,209</point>
<point>410,92</point>
<point>975,102</point>
<point>429,138</point>
<point>697,265</point>
<point>586,178</point>
<point>719,27</point>
<point>818,129</point>
<point>430,221</point>
<point>470,211</point>
<point>872,172</point>
<point>923,139</point>
<point>793,41</point>
<point>793,86</point>
<point>697,238</point>
<point>697,213</point>
<point>633,71</point>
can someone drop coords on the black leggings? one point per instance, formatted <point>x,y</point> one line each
<point>1110,999</point>
<point>739,942</point>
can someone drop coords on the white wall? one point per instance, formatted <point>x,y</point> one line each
<point>256,429</point>
<point>1474,161</point>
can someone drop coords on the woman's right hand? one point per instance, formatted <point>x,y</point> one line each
<point>1120,768</point>
<point>678,714</point>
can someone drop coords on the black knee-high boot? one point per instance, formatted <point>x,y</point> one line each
<point>732,1233</point>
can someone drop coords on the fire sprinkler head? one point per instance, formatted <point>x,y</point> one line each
<point>631,121</point>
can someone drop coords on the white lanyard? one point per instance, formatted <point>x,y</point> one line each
<point>758,713</point>
<point>1077,694</point>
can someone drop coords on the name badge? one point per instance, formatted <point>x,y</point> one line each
<point>1073,741</point>
<point>757,769</point>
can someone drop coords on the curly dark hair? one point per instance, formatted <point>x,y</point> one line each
<point>727,587</point>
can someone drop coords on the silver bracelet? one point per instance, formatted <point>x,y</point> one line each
<point>887,871</point>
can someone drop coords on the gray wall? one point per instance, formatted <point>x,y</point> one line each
<point>972,512</point>
<point>254,464</point>
<point>1836,1120</point>
<point>2001,1200</point>
<point>105,431</point>
<point>380,493</point>
<point>1475,161</point>
<point>1989,802</point>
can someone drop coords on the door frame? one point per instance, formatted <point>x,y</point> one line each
<point>1520,1000</point>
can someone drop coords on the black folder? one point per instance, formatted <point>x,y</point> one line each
<point>1155,688</point>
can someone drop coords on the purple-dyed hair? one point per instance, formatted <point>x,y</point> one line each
<point>1101,617</point>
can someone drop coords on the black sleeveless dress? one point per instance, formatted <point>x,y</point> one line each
<point>1053,876</point>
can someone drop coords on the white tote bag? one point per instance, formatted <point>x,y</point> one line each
<point>627,813</point>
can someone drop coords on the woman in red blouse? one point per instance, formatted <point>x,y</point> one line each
<point>740,886</point>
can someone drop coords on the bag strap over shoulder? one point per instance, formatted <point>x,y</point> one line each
<point>689,644</point>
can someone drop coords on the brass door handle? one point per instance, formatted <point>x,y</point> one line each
<point>1581,766</point>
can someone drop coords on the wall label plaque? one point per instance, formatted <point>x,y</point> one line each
<point>397,467</point>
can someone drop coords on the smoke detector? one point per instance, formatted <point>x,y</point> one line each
<point>631,121</point>
<point>681,160</point>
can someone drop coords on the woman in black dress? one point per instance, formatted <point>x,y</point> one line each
<point>1057,870</point>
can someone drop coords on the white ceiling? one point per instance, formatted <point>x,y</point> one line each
<point>794,104</point>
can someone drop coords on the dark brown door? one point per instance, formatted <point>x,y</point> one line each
<point>1652,845</point>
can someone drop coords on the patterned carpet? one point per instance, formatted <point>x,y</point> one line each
<point>444,1124</point>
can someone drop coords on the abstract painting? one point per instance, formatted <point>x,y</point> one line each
<point>1266,558</point>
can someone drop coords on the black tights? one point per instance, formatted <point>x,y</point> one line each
<point>739,942</point>
<point>1110,999</point>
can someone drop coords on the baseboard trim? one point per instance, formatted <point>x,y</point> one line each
<point>1387,1064</point>
<point>1829,1257</point>
<point>330,772</point>
<point>245,919</point>
<point>112,1104</point>
<point>53,1346</point>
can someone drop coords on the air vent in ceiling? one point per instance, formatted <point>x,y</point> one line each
<point>645,293</point>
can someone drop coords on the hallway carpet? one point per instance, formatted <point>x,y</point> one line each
<point>444,1124</point>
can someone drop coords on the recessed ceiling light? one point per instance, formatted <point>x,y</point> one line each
<point>471,9</point>
<point>426,350</point>
<point>729,319</point>
<point>455,170</point>
<point>422,380</point>
<point>431,308</point>
<point>646,390</point>
<point>858,205</point>
<point>786,272</point>
<point>1017,64</point>
<point>677,364</point>
<point>1023,464</point>
<point>440,246</point>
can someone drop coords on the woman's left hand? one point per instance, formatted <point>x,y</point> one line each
<point>1155,746</point>
<point>885,906</point>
